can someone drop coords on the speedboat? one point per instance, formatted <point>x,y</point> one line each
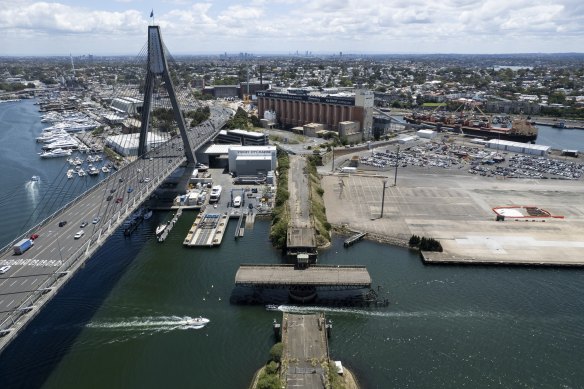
<point>197,321</point>
<point>160,229</point>
<point>35,178</point>
<point>272,307</point>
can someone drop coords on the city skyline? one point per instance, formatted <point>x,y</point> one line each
<point>118,27</point>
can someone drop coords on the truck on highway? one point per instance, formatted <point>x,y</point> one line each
<point>348,169</point>
<point>22,246</point>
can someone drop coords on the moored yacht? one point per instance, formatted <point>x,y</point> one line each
<point>55,153</point>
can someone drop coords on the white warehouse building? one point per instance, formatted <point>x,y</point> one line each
<point>252,160</point>
<point>518,147</point>
<point>127,144</point>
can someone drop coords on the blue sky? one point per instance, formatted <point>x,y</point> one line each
<point>106,27</point>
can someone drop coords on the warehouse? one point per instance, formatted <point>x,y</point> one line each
<point>127,144</point>
<point>252,160</point>
<point>518,147</point>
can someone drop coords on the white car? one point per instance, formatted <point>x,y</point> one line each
<point>79,234</point>
<point>4,269</point>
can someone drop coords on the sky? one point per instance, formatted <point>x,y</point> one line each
<point>118,27</point>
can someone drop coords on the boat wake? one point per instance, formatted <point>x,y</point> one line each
<point>374,313</point>
<point>151,325</point>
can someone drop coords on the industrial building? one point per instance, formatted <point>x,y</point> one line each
<point>127,105</point>
<point>296,110</point>
<point>252,160</point>
<point>242,137</point>
<point>518,147</point>
<point>127,144</point>
<point>242,160</point>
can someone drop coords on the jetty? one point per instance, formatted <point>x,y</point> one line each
<point>353,239</point>
<point>170,225</point>
<point>207,230</point>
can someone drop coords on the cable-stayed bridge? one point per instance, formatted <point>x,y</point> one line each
<point>38,273</point>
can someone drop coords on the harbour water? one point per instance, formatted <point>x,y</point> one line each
<point>122,322</point>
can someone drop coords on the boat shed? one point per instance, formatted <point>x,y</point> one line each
<point>518,147</point>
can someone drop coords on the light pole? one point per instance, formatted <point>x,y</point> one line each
<point>396,165</point>
<point>383,198</point>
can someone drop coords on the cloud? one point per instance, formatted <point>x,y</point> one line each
<point>283,25</point>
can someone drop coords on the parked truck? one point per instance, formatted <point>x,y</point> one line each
<point>22,246</point>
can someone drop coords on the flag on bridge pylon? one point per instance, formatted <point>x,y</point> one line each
<point>152,13</point>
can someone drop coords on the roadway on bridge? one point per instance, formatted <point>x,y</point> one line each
<point>55,250</point>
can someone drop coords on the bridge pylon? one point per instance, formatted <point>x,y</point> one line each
<point>157,66</point>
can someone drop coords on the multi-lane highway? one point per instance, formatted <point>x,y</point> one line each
<point>36,275</point>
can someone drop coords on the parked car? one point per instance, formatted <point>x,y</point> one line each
<point>62,223</point>
<point>4,269</point>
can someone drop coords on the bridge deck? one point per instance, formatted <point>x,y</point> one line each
<point>356,276</point>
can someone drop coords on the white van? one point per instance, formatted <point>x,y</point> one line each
<point>237,202</point>
<point>79,234</point>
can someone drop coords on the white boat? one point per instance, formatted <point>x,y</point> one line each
<point>105,169</point>
<point>147,215</point>
<point>70,173</point>
<point>93,171</point>
<point>55,153</point>
<point>160,229</point>
<point>198,321</point>
<point>35,178</point>
<point>80,172</point>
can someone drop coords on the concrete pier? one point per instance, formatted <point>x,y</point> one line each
<point>207,230</point>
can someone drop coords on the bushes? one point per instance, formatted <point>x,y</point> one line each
<point>425,244</point>
<point>276,352</point>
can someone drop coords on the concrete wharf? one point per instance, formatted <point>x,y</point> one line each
<point>207,230</point>
<point>313,276</point>
<point>305,353</point>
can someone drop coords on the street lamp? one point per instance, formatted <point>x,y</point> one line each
<point>396,165</point>
<point>383,198</point>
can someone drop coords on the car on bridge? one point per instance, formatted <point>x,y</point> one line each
<point>62,223</point>
<point>119,200</point>
<point>34,236</point>
<point>4,269</point>
<point>96,219</point>
<point>147,179</point>
<point>109,198</point>
<point>79,234</point>
<point>130,190</point>
<point>83,225</point>
<point>112,190</point>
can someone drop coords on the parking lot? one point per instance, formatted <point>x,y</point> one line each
<point>473,160</point>
<point>456,208</point>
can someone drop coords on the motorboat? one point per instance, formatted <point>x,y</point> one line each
<point>272,307</point>
<point>197,321</point>
<point>35,178</point>
<point>160,229</point>
<point>105,169</point>
<point>93,171</point>
<point>70,173</point>
<point>55,153</point>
